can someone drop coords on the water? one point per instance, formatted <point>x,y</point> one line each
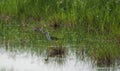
<point>27,61</point>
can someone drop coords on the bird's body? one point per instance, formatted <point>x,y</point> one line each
<point>48,36</point>
<point>46,33</point>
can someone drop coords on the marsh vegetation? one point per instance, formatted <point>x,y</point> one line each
<point>86,28</point>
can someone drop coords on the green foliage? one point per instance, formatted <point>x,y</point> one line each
<point>78,19</point>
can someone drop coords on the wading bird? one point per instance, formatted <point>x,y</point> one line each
<point>46,33</point>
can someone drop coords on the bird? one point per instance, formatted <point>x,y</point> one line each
<point>46,33</point>
<point>50,37</point>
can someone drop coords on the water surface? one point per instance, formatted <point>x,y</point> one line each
<point>27,61</point>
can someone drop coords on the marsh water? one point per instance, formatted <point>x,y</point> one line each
<point>28,60</point>
<point>29,52</point>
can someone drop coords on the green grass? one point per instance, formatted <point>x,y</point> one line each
<point>82,22</point>
<point>97,16</point>
<point>104,54</point>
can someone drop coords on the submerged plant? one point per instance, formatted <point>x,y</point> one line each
<point>56,51</point>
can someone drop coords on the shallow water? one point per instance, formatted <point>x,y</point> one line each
<point>27,61</point>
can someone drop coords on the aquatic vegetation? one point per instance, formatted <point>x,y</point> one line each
<point>25,22</point>
<point>105,56</point>
<point>56,51</point>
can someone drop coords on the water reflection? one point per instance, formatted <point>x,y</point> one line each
<point>25,61</point>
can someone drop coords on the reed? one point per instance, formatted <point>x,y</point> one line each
<point>71,20</point>
<point>98,16</point>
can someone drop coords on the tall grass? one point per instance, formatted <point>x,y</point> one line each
<point>100,15</point>
<point>97,17</point>
<point>79,20</point>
